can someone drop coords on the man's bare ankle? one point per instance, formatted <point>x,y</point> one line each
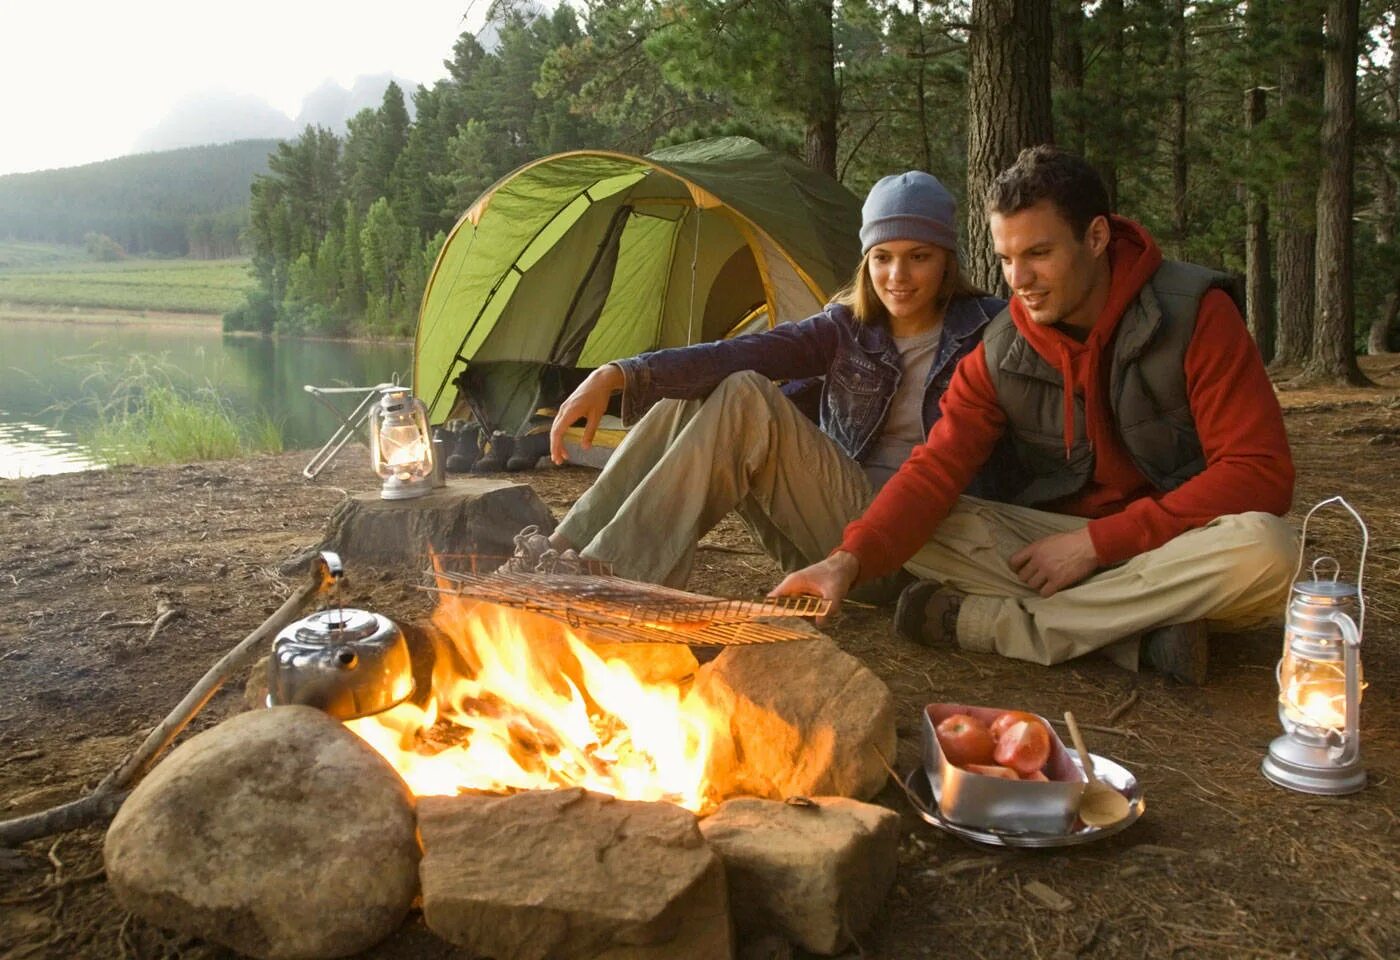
<point>559,543</point>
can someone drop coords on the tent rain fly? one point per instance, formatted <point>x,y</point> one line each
<point>589,256</point>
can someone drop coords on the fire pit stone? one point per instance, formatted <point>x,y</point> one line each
<point>816,872</point>
<point>805,719</point>
<point>248,830</point>
<point>569,875</point>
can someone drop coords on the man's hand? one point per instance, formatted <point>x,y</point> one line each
<point>588,403</point>
<point>830,579</point>
<point>1055,562</point>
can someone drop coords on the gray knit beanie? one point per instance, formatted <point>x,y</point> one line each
<point>909,206</point>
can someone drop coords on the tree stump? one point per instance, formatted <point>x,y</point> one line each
<point>471,515</point>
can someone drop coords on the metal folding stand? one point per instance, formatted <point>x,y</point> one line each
<point>348,426</point>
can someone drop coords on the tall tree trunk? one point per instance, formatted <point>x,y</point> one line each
<point>1180,78</point>
<point>1008,108</point>
<point>1067,72</point>
<point>1106,159</point>
<point>1378,340</point>
<point>921,91</point>
<point>1259,309</point>
<point>1333,356</point>
<point>819,147</point>
<point>1300,88</point>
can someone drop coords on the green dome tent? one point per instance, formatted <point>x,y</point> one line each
<point>589,256</point>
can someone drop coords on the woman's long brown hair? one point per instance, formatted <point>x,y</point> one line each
<point>860,298</point>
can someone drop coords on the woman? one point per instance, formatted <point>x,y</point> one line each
<point>724,437</point>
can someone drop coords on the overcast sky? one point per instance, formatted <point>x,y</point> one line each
<point>80,80</point>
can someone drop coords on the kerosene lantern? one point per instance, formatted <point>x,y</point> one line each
<point>1319,677</point>
<point>401,445</point>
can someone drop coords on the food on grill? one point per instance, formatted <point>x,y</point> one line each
<point>1024,747</point>
<point>965,740</point>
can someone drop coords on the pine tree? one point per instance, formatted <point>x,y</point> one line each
<point>1008,104</point>
<point>1333,356</point>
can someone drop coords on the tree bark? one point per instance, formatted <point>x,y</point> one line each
<point>1259,310</point>
<point>819,147</point>
<point>1333,358</point>
<point>1008,109</point>
<point>1067,73</point>
<point>1105,159</point>
<point>1180,82</point>
<point>1378,340</point>
<point>1300,87</point>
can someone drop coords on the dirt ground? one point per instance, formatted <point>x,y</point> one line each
<point>1223,864</point>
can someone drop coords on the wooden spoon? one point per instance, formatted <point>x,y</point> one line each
<point>1101,805</point>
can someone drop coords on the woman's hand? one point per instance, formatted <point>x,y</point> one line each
<point>830,579</point>
<point>588,403</point>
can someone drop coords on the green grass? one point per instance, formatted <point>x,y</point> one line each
<point>16,253</point>
<point>141,418</point>
<point>190,286</point>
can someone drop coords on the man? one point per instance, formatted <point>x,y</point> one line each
<point>1158,460</point>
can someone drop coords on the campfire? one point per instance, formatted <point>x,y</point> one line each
<point>521,702</point>
<point>563,779</point>
<point>556,681</point>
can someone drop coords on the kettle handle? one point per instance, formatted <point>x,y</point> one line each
<point>1360,624</point>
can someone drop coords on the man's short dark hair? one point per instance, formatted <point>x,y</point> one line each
<point>1047,173</point>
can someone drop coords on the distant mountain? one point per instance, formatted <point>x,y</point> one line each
<point>177,202</point>
<point>331,106</point>
<point>227,117</point>
<point>216,118</point>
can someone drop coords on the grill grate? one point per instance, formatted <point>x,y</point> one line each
<point>627,611</point>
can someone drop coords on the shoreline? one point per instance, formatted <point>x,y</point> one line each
<point>157,320</point>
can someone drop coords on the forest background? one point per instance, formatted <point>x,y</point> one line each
<point>1258,136</point>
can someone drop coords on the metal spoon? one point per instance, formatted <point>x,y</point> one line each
<point>1101,805</point>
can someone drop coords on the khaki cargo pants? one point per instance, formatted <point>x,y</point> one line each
<point>687,463</point>
<point>1234,573</point>
<point>747,448</point>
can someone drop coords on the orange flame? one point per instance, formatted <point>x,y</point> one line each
<point>521,703</point>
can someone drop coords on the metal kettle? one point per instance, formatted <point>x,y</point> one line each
<point>350,663</point>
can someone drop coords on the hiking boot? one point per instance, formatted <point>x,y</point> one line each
<point>496,455</point>
<point>884,591</point>
<point>528,450</point>
<point>1178,651</point>
<point>466,451</point>
<point>927,613</point>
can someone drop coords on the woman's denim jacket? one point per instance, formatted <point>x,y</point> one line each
<point>858,365</point>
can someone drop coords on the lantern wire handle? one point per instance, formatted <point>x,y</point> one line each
<point>1361,566</point>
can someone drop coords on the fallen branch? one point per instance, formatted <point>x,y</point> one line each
<point>1119,711</point>
<point>164,614</point>
<point>106,798</point>
<point>724,548</point>
<point>1100,728</point>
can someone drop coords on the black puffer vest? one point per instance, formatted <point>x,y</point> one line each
<point>1147,390</point>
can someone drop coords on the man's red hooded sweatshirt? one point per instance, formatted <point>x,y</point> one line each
<point>1248,466</point>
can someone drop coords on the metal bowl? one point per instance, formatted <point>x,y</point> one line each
<point>982,802</point>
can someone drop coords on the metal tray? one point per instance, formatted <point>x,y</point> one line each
<point>921,791</point>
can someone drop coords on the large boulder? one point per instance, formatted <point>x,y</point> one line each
<point>815,872</point>
<point>278,833</point>
<point>804,719</point>
<point>571,874</point>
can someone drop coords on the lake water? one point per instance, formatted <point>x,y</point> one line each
<point>51,372</point>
